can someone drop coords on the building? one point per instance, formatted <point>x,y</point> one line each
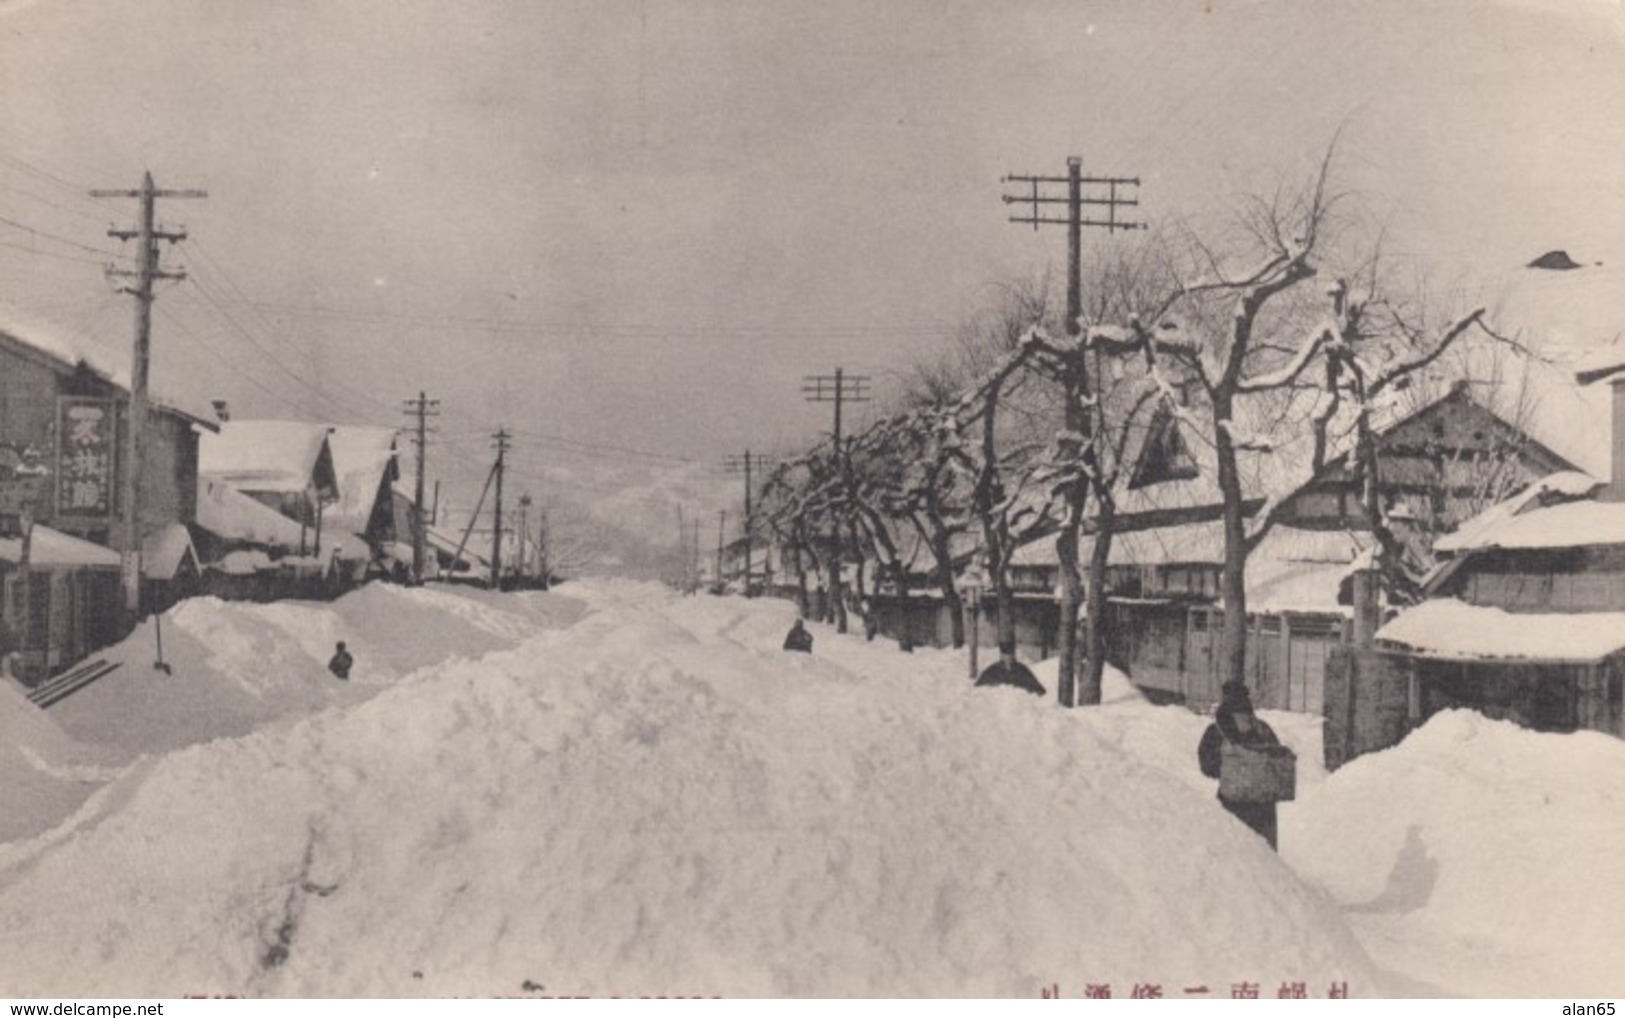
<point>286,466</point>
<point>362,519</point>
<point>1525,617</point>
<point>1441,460</point>
<point>63,450</point>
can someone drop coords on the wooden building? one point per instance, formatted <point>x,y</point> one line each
<point>1525,617</point>
<point>1441,461</point>
<point>64,416</point>
<point>284,465</point>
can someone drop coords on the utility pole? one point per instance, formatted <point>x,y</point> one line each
<point>544,545</point>
<point>682,551</point>
<point>695,545</point>
<point>147,235</point>
<point>1079,444</point>
<point>838,388</point>
<point>742,464</point>
<point>524,533</point>
<point>422,408</point>
<point>722,520</point>
<point>501,438</point>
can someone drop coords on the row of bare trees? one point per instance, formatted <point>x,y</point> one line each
<point>1272,352</point>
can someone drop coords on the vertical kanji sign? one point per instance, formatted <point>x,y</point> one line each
<point>86,437</point>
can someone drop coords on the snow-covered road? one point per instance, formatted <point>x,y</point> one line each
<point>615,790</point>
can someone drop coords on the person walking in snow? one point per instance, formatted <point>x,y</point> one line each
<point>1234,723</point>
<point>798,638</point>
<point>1007,671</point>
<point>340,665</point>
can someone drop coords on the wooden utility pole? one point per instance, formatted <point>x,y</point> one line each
<point>146,234</point>
<point>473,518</point>
<point>737,465</point>
<point>722,521</point>
<point>422,408</point>
<point>501,438</point>
<point>524,533</point>
<point>1077,446</point>
<point>838,388</point>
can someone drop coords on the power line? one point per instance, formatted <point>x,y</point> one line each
<point>37,232</point>
<point>70,210</point>
<point>223,359</point>
<point>76,189</point>
<point>630,330</point>
<point>53,254</point>
<point>277,362</point>
<point>219,305</point>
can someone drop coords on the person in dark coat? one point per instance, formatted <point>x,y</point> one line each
<point>341,662</point>
<point>1007,671</point>
<point>1235,722</point>
<point>798,638</point>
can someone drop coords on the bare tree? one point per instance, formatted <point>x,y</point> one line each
<point>1270,357</point>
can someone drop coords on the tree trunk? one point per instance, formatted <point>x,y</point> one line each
<point>1233,581</point>
<point>836,612</point>
<point>950,596</point>
<point>1089,686</point>
<point>803,600</point>
<point>1066,637</point>
<point>999,573</point>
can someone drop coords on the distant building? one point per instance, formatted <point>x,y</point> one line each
<point>286,466</point>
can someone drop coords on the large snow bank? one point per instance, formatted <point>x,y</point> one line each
<point>45,774</point>
<point>657,800</point>
<point>235,666</point>
<point>1478,856</point>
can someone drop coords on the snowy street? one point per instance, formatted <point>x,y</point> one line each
<point>613,789</point>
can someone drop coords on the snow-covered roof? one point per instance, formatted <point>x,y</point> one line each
<point>1567,525</point>
<point>1521,519</point>
<point>443,542</point>
<point>229,514</point>
<point>1448,628</point>
<point>1296,586</point>
<point>163,552</point>
<point>362,458</point>
<point>1292,569</point>
<point>277,456</point>
<point>47,340</point>
<point>1202,543</point>
<point>53,549</point>
<point>244,563</point>
<point>345,545</point>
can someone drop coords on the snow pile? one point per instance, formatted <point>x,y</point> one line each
<point>1485,854</point>
<point>46,775</point>
<point>235,667</point>
<point>656,800</point>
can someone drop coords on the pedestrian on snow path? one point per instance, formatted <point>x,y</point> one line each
<point>1236,726</point>
<point>340,665</point>
<point>1007,671</point>
<point>798,638</point>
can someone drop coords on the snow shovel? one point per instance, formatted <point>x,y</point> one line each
<point>160,665</point>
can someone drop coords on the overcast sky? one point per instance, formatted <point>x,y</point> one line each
<point>630,227</point>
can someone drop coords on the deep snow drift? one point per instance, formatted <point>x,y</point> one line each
<point>617,790</point>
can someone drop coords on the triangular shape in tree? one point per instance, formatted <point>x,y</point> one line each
<point>1165,456</point>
